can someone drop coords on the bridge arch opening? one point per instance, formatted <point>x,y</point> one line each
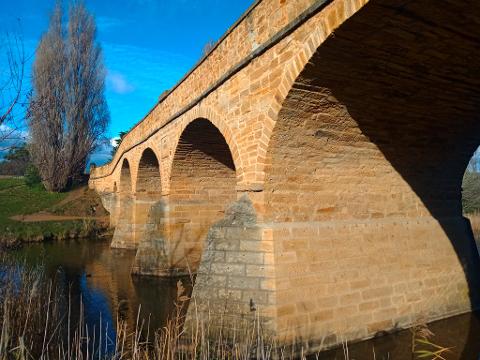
<point>202,185</point>
<point>123,236</point>
<point>125,178</point>
<point>148,175</point>
<point>364,171</point>
<point>148,193</point>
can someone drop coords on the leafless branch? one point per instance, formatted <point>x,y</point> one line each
<point>67,112</point>
<point>11,89</point>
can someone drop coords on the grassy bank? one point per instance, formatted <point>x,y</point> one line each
<point>18,200</point>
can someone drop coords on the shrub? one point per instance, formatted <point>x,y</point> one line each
<point>32,177</point>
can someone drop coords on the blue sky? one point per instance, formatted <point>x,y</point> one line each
<point>148,45</point>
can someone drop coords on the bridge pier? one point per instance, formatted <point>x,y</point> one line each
<point>235,282</point>
<point>350,130</point>
<point>153,257</point>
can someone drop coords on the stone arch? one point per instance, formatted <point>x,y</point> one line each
<point>123,236</point>
<point>224,130</point>
<point>148,192</point>
<point>150,218</point>
<point>202,184</point>
<point>363,172</point>
<point>148,174</point>
<point>125,179</point>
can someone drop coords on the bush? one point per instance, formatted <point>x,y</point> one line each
<point>32,177</point>
<point>471,192</point>
<point>15,161</point>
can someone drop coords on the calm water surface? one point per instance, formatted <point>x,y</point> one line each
<point>100,276</point>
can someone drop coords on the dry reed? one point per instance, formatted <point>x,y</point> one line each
<point>36,323</point>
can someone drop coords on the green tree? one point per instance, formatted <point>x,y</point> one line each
<point>15,161</point>
<point>471,192</point>
<point>118,141</point>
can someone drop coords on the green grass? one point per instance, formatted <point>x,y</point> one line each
<point>6,183</point>
<point>16,198</point>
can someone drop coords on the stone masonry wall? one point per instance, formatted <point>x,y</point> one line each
<point>363,179</point>
<point>349,134</point>
<point>202,185</point>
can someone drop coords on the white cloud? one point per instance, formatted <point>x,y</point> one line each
<point>113,141</point>
<point>117,83</point>
<point>102,154</point>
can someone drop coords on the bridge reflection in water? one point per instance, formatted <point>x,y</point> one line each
<point>100,276</point>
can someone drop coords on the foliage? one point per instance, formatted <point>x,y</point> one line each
<point>471,192</point>
<point>67,112</point>
<point>15,161</point>
<point>32,177</point>
<point>19,152</point>
<point>118,141</point>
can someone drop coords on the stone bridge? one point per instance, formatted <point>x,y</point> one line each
<point>308,169</point>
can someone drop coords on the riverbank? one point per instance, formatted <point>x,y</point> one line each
<point>31,214</point>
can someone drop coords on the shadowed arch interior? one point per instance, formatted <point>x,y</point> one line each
<point>202,184</point>
<point>125,177</point>
<point>148,177</point>
<point>367,158</point>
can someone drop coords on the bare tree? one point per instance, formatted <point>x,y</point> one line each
<point>68,113</point>
<point>11,89</point>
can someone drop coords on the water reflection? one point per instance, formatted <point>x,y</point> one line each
<point>460,333</point>
<point>99,277</point>
<point>92,274</point>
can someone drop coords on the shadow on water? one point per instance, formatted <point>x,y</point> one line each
<point>460,333</point>
<point>98,277</point>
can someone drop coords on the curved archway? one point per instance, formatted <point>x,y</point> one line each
<point>125,177</point>
<point>148,175</point>
<point>123,236</point>
<point>364,171</point>
<point>202,184</point>
<point>149,217</point>
<point>147,193</point>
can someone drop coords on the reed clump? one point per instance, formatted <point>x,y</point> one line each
<point>37,323</point>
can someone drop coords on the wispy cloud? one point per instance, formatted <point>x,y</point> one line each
<point>118,84</point>
<point>105,23</point>
<point>146,73</point>
<point>102,154</point>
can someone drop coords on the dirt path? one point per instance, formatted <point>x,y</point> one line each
<point>73,195</point>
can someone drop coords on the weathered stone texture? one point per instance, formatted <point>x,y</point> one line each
<point>349,133</point>
<point>230,280</point>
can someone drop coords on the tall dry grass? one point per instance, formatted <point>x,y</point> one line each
<point>37,323</point>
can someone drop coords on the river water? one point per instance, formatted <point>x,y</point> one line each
<point>100,276</point>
